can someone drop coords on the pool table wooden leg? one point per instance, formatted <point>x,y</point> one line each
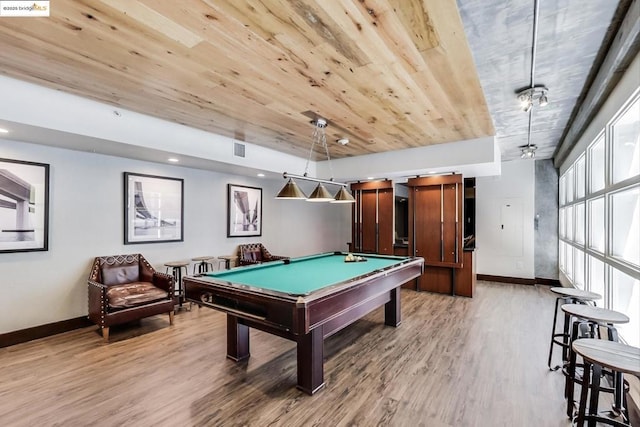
<point>237,339</point>
<point>310,361</point>
<point>392,315</point>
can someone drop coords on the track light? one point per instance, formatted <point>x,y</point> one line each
<point>528,151</point>
<point>528,96</point>
<point>543,102</point>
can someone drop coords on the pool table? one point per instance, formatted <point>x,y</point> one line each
<point>303,299</point>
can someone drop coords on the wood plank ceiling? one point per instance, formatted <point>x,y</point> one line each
<point>387,74</point>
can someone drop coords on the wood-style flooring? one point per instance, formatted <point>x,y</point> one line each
<point>452,362</point>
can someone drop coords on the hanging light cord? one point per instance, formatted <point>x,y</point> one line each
<point>319,137</point>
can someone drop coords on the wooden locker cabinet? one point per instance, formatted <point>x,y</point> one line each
<point>373,224</point>
<point>436,229</point>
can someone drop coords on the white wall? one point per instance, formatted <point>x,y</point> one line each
<point>507,252</point>
<point>86,220</point>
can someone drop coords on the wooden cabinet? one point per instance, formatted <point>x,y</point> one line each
<point>373,224</point>
<point>465,278</point>
<point>435,229</point>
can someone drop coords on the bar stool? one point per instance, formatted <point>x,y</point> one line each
<point>567,296</point>
<point>202,263</point>
<point>594,318</point>
<point>176,270</point>
<point>227,259</point>
<point>599,354</point>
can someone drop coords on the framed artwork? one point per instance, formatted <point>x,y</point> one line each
<point>244,213</point>
<point>24,206</point>
<point>153,209</point>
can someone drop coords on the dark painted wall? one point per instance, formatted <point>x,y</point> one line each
<point>546,220</point>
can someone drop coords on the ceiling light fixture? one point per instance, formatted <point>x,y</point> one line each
<point>527,97</point>
<point>3,130</point>
<point>528,151</point>
<point>320,194</point>
<point>173,160</point>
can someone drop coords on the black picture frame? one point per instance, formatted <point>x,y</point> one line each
<point>244,211</point>
<point>24,206</point>
<point>153,209</point>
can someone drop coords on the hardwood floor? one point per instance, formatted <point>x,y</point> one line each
<point>452,362</point>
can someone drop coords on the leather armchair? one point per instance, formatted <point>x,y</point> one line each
<point>255,253</point>
<point>123,288</point>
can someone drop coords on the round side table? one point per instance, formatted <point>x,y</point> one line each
<point>202,264</point>
<point>176,270</point>
<point>598,354</point>
<point>566,296</point>
<point>593,317</point>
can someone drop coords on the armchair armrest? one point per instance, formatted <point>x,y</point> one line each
<point>163,281</point>
<point>97,299</point>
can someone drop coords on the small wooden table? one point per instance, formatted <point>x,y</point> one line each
<point>594,317</point>
<point>567,296</point>
<point>598,354</point>
<point>176,270</point>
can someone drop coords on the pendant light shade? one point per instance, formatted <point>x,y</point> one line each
<point>320,194</point>
<point>343,196</point>
<point>291,191</point>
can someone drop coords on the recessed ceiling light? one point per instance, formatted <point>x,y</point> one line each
<point>370,177</point>
<point>261,175</point>
<point>173,160</point>
<point>3,130</point>
<point>432,172</point>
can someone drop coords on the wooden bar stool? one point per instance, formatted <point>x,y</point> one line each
<point>176,270</point>
<point>594,318</point>
<point>202,264</point>
<point>228,259</point>
<point>566,296</point>
<point>599,354</point>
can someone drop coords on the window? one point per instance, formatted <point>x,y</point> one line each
<point>570,185</point>
<point>596,224</point>
<point>599,218</point>
<point>580,177</point>
<point>625,227</point>
<point>569,258</point>
<point>625,297</point>
<point>578,268</point>
<point>626,143</point>
<point>597,277</point>
<point>579,223</point>
<point>569,222</point>
<point>596,165</point>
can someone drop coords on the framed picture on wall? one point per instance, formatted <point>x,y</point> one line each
<point>153,209</point>
<point>24,206</point>
<point>244,211</point>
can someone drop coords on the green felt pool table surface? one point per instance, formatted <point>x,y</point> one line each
<point>304,275</point>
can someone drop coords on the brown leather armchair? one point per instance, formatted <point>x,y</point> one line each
<point>255,253</point>
<point>123,288</point>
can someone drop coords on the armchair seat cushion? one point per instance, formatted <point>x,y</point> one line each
<point>134,294</point>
